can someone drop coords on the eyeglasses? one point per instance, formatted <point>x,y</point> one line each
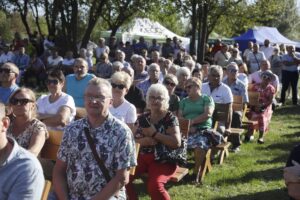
<point>52,81</point>
<point>5,70</point>
<point>189,87</point>
<point>21,102</point>
<point>94,99</point>
<point>215,75</point>
<point>154,98</point>
<point>232,70</point>
<point>169,83</point>
<point>120,86</point>
<point>265,77</point>
<point>79,67</point>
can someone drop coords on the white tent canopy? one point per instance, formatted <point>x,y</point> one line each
<point>149,29</point>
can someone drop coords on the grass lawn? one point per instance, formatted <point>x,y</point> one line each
<point>255,173</point>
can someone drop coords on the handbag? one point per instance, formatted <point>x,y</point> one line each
<point>165,154</point>
<point>214,137</point>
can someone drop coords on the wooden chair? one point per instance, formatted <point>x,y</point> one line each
<point>181,171</point>
<point>221,114</point>
<point>46,190</point>
<point>51,146</point>
<point>253,101</point>
<point>137,150</point>
<point>80,113</point>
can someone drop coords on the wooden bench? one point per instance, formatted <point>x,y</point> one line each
<point>46,190</point>
<point>184,126</point>
<point>253,101</point>
<point>51,146</point>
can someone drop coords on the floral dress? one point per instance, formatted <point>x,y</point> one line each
<point>263,117</point>
<point>34,127</point>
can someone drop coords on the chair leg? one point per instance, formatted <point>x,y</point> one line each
<point>221,159</point>
<point>206,165</point>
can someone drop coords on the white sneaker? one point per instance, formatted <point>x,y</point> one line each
<point>251,137</point>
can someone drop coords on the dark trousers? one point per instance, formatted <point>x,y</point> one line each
<point>236,123</point>
<point>287,79</point>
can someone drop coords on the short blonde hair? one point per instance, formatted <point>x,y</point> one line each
<point>161,90</point>
<point>183,70</point>
<point>195,81</point>
<point>122,77</point>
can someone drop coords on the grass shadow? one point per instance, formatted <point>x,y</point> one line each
<point>292,110</point>
<point>279,159</point>
<point>286,146</point>
<point>273,174</point>
<point>271,194</point>
<point>293,135</point>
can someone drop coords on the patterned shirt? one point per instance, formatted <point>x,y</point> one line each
<point>34,127</point>
<point>239,89</point>
<point>115,146</point>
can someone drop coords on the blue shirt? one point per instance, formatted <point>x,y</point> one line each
<point>144,86</point>
<point>6,92</point>
<point>21,175</point>
<point>22,61</point>
<point>288,58</point>
<point>238,88</point>
<point>76,88</point>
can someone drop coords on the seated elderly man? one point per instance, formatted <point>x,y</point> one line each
<point>8,77</point>
<point>237,88</point>
<point>154,72</point>
<point>220,93</point>
<point>21,173</point>
<point>76,83</point>
<point>139,66</point>
<point>78,172</point>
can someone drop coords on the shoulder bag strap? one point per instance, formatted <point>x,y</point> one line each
<point>257,61</point>
<point>96,156</point>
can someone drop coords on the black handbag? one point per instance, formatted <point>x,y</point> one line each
<point>165,154</point>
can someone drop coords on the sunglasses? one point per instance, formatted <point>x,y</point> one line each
<point>188,87</point>
<point>120,86</point>
<point>21,102</point>
<point>5,70</point>
<point>169,83</point>
<point>52,81</point>
<point>232,70</point>
<point>266,77</point>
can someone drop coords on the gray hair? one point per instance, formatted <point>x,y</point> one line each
<point>190,64</point>
<point>153,66</point>
<point>160,89</point>
<point>122,77</point>
<point>134,57</point>
<point>82,61</point>
<point>183,70</point>
<point>172,78</point>
<point>217,69</point>
<point>118,65</point>
<point>100,82</point>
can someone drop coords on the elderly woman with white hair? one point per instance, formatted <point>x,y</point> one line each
<point>121,108</point>
<point>117,66</point>
<point>154,73</point>
<point>155,128</point>
<point>183,73</point>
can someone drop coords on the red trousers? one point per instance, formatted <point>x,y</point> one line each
<point>158,176</point>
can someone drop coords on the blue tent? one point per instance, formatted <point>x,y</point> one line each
<point>259,34</point>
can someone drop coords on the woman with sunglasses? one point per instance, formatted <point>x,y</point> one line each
<point>183,73</point>
<point>198,108</point>
<point>121,108</point>
<point>56,109</point>
<point>263,111</point>
<point>29,132</point>
<point>155,128</point>
<point>170,81</point>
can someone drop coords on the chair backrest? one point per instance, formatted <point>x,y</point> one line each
<point>220,115</point>
<point>184,125</point>
<point>250,86</point>
<point>80,113</point>
<point>51,146</point>
<point>253,98</point>
<point>238,105</point>
<point>46,190</point>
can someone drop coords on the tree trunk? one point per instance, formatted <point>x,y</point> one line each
<point>194,27</point>
<point>203,33</point>
<point>200,29</point>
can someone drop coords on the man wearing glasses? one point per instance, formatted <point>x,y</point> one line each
<point>237,88</point>
<point>77,174</point>
<point>76,83</point>
<point>20,171</point>
<point>8,76</point>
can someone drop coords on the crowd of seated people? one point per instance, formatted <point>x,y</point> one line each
<point>168,85</point>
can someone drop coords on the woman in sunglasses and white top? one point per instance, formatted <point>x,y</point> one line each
<point>56,109</point>
<point>121,108</point>
<point>29,132</point>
